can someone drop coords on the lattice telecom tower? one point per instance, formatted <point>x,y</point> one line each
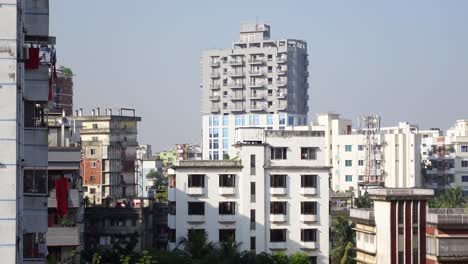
<point>373,172</point>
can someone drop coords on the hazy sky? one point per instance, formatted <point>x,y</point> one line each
<point>405,60</point>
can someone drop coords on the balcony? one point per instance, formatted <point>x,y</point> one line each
<point>308,218</point>
<point>278,245</point>
<point>257,85</point>
<point>278,218</point>
<point>196,191</point>
<point>171,221</point>
<point>256,73</point>
<point>214,64</point>
<point>278,191</point>
<point>237,97</point>
<point>36,19</point>
<point>236,86</point>
<point>214,98</point>
<point>227,190</point>
<point>281,83</point>
<point>281,59</point>
<point>258,108</point>
<point>236,109</point>
<point>74,199</point>
<point>215,86</point>
<point>36,147</point>
<point>257,97</point>
<point>236,74</point>
<point>215,109</point>
<point>171,194</point>
<point>256,61</point>
<point>308,245</point>
<point>63,236</point>
<point>195,218</point>
<point>281,72</point>
<point>236,62</point>
<point>214,75</point>
<point>308,191</point>
<point>37,84</point>
<point>227,218</point>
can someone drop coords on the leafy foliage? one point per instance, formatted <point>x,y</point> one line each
<point>343,241</point>
<point>452,198</point>
<point>364,201</point>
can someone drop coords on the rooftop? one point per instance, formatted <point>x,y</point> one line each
<point>209,164</point>
<point>366,214</point>
<point>448,216</point>
<point>401,194</point>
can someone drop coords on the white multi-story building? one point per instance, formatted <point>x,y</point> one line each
<point>445,158</point>
<point>26,57</point>
<point>399,153</point>
<point>274,197</point>
<point>259,82</point>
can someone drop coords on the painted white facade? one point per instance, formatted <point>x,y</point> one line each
<point>258,82</point>
<point>445,157</point>
<point>23,131</point>
<point>253,191</point>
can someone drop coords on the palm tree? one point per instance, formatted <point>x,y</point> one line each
<point>197,245</point>
<point>229,252</point>
<point>342,241</point>
<point>452,198</point>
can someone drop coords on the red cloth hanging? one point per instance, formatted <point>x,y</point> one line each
<point>33,61</point>
<point>61,192</point>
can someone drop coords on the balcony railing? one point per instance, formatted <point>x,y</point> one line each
<point>281,59</point>
<point>237,97</point>
<point>74,199</point>
<point>257,85</point>
<point>278,190</point>
<point>236,86</point>
<point>278,218</point>
<point>257,97</point>
<point>227,218</point>
<point>196,191</point>
<point>281,83</point>
<point>308,245</point>
<point>277,245</point>
<point>214,98</point>
<point>256,61</point>
<point>308,191</point>
<point>258,107</point>
<point>63,236</point>
<point>196,218</point>
<point>227,190</point>
<point>214,64</point>
<point>214,75</point>
<point>215,109</point>
<point>308,218</point>
<point>256,73</point>
<point>236,62</point>
<point>234,74</point>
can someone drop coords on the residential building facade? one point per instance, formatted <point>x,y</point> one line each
<point>398,156</point>
<point>273,198</point>
<point>447,235</point>
<point>109,144</point>
<point>258,82</point>
<point>62,92</point>
<point>65,226</point>
<point>24,93</point>
<point>445,157</point>
<point>394,231</point>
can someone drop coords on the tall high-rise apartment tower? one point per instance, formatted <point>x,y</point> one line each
<point>258,82</point>
<point>26,60</point>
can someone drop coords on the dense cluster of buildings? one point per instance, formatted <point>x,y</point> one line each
<point>264,175</point>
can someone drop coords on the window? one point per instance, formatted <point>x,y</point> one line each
<point>95,138</point>
<point>348,163</point>
<point>348,148</point>
<point>290,120</point>
<point>252,192</point>
<point>309,208</point>
<point>360,147</point>
<point>252,243</point>
<point>270,69</point>
<point>227,208</point>
<point>193,233</point>
<point>464,148</point>
<point>215,121</point>
<point>278,181</point>
<point>171,207</point>
<point>92,164</point>
<point>227,180</point>
<point>360,177</point>
<point>309,153</point>
<point>196,180</point>
<point>215,132</point>
<point>92,178</point>
<point>196,208</point>
<point>225,143</point>
<point>270,80</point>
<point>464,163</point>
<point>361,162</point>
<point>309,181</point>
<point>278,153</point>
<point>278,208</point>
<point>34,245</point>
<point>349,178</point>
<point>92,190</point>
<point>172,235</point>
<point>270,120</point>
<point>35,181</point>
<point>227,235</point>
<point>270,58</point>
<point>309,235</point>
<point>277,235</point>
<point>464,178</point>
<point>252,164</point>
<point>225,120</point>
<point>282,120</point>
<point>92,151</point>
<point>215,155</point>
